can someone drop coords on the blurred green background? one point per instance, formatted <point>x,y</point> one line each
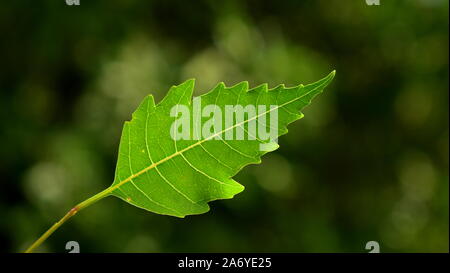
<point>368,162</point>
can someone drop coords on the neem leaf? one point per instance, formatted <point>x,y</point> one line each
<point>176,156</point>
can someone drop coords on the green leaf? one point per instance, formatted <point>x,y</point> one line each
<point>158,173</point>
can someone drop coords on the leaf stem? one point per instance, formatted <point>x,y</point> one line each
<point>68,215</point>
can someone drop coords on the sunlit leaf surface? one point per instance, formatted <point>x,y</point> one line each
<point>159,173</point>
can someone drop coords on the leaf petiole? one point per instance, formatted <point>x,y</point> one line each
<point>72,212</point>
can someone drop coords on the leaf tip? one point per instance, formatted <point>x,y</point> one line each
<point>332,74</point>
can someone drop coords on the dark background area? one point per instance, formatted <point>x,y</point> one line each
<point>368,162</point>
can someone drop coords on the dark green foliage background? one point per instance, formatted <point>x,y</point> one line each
<point>368,162</point>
